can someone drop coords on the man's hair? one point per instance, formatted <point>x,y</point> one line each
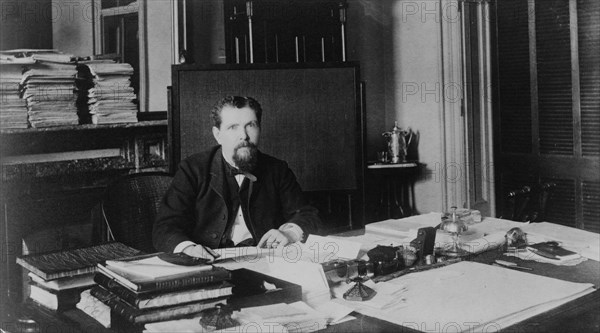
<point>236,102</point>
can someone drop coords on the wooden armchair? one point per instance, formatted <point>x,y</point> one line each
<point>129,207</point>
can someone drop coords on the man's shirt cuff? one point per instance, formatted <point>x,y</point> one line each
<point>181,246</point>
<point>292,231</point>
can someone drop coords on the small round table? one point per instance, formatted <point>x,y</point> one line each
<point>396,187</point>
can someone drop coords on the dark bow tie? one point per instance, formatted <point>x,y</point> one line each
<point>234,171</point>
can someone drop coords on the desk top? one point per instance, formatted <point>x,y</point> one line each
<point>578,315</point>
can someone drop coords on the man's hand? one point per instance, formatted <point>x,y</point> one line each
<point>273,239</point>
<point>200,251</point>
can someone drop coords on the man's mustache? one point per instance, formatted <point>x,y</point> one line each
<point>244,144</point>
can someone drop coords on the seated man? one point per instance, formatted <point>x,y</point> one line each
<point>232,195</point>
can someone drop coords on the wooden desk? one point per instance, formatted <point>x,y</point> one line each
<point>579,315</point>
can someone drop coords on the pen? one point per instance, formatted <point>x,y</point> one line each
<point>212,252</point>
<point>542,253</point>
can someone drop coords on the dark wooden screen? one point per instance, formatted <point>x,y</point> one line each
<point>547,105</point>
<point>311,116</point>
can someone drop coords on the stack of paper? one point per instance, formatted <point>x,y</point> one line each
<point>49,89</point>
<point>107,91</point>
<point>13,109</point>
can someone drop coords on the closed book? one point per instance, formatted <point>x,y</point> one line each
<point>169,283</point>
<point>152,266</point>
<point>57,264</point>
<point>54,300</point>
<point>85,280</point>
<point>552,250</point>
<point>142,316</point>
<point>160,299</point>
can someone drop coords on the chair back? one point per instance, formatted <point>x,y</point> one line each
<point>130,206</point>
<point>528,203</point>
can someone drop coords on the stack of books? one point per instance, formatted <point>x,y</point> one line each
<point>105,90</point>
<point>145,289</point>
<point>49,89</point>
<point>58,278</point>
<point>13,110</point>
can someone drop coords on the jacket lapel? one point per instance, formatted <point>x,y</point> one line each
<point>255,185</point>
<point>217,181</point>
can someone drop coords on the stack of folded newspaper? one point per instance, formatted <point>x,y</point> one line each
<point>106,92</point>
<point>49,89</point>
<point>13,110</point>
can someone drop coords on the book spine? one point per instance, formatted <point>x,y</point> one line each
<point>177,312</point>
<point>116,288</point>
<point>185,296</point>
<point>160,299</point>
<point>189,281</point>
<point>137,316</point>
<point>114,303</point>
<point>63,263</point>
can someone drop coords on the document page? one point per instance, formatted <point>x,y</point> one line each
<point>469,296</point>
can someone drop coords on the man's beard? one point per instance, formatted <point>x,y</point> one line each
<point>246,159</point>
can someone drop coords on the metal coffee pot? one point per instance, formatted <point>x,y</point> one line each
<point>398,141</point>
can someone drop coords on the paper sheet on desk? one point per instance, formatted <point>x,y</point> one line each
<point>387,294</point>
<point>469,296</point>
<point>257,258</point>
<point>192,325</point>
<point>406,227</point>
<point>315,288</point>
<point>316,249</point>
<point>321,249</point>
<point>369,241</point>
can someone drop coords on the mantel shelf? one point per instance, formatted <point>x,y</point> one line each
<point>85,127</point>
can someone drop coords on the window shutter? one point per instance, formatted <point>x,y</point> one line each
<point>514,83</point>
<point>591,210</point>
<point>588,13</point>
<point>553,45</point>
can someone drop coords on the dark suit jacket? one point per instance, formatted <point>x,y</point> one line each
<point>194,207</point>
